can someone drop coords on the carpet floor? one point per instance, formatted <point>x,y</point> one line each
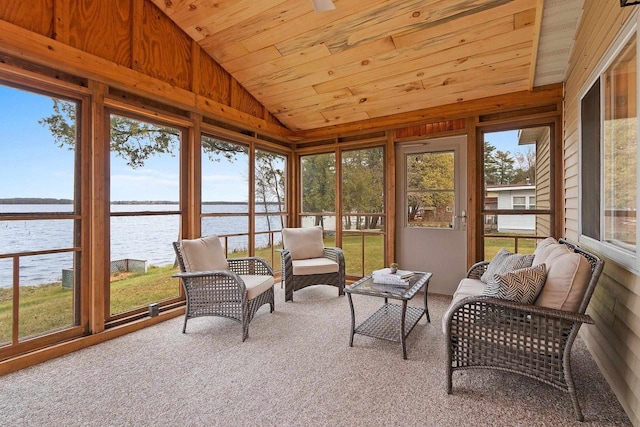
<point>295,369</point>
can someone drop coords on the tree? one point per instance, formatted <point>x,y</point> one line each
<point>319,184</point>
<point>362,186</point>
<point>526,170</point>
<point>430,184</point>
<point>270,184</point>
<point>498,165</point>
<point>132,140</point>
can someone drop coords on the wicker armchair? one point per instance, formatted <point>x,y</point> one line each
<point>534,341</point>
<point>306,262</point>
<point>214,286</point>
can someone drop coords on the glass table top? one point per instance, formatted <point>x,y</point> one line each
<point>367,286</point>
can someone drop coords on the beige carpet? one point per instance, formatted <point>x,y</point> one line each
<point>296,368</point>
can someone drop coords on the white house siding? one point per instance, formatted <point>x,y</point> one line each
<point>543,181</point>
<point>614,339</point>
<point>515,223</point>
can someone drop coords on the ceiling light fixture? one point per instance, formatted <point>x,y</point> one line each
<point>624,3</point>
<point>323,5</point>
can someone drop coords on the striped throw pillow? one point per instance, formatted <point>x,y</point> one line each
<point>505,261</point>
<point>521,285</point>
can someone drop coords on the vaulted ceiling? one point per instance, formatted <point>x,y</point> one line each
<point>373,58</point>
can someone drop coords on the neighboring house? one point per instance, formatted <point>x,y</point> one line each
<point>514,197</point>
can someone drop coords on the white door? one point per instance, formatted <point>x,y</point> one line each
<point>431,210</point>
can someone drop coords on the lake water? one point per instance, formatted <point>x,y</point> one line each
<point>147,237</point>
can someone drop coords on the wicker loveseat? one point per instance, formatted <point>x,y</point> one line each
<point>533,340</point>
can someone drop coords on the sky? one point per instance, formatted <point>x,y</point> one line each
<point>32,165</point>
<point>504,141</point>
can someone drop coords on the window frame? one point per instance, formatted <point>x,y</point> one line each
<point>52,88</point>
<point>627,259</point>
<point>160,119</point>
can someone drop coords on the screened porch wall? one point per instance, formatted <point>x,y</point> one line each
<point>55,42</point>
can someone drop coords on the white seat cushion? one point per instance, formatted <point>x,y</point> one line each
<point>203,254</point>
<point>256,284</point>
<point>466,288</point>
<point>305,267</point>
<point>303,243</point>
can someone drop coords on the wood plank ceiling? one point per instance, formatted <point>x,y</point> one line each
<point>367,58</point>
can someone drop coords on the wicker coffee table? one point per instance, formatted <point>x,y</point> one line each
<point>392,322</point>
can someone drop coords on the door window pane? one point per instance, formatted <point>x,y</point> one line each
<point>430,189</point>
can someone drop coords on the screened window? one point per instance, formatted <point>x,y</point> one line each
<point>145,213</point>
<point>363,220</point>
<point>40,217</point>
<point>270,204</point>
<point>225,193</point>
<point>518,176</point>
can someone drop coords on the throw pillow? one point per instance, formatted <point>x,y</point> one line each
<point>505,261</point>
<point>521,285</point>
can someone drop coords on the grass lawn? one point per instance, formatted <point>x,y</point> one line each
<point>493,244</point>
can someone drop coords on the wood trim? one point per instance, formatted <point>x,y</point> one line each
<point>476,153</point>
<point>473,173</point>
<point>22,77</point>
<point>99,252</point>
<point>83,199</point>
<point>338,201</point>
<point>192,188</point>
<point>252,199</point>
<point>146,112</point>
<point>390,198</point>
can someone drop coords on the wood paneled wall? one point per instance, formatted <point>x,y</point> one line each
<point>431,128</point>
<point>137,35</point>
<point>614,340</point>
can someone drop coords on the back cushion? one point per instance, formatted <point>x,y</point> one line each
<point>543,249</point>
<point>303,243</point>
<point>203,254</point>
<point>567,278</point>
